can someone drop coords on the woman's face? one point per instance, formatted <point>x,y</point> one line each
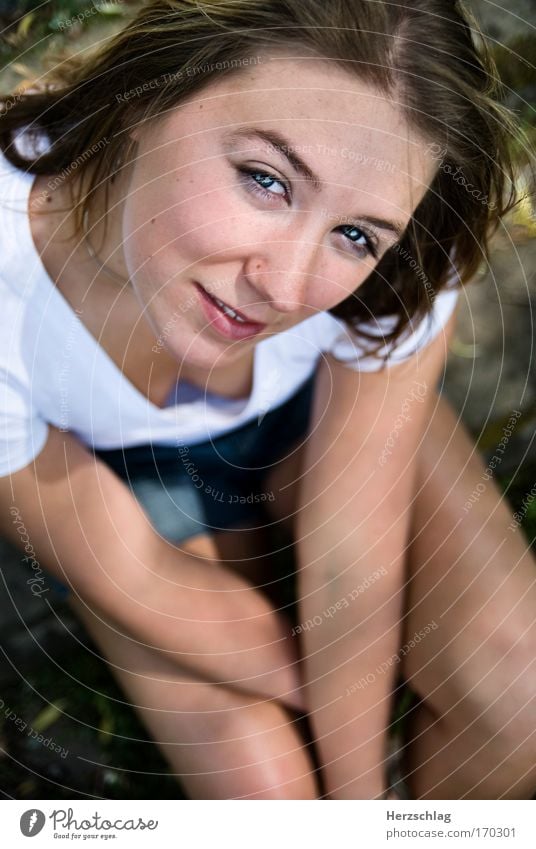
<point>275,191</point>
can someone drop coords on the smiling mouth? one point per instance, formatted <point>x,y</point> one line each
<point>236,316</point>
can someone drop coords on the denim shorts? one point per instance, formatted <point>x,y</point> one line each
<point>212,486</point>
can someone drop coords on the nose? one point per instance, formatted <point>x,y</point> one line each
<point>282,272</point>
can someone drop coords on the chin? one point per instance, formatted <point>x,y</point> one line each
<point>203,353</point>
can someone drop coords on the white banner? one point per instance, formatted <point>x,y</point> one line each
<point>269,825</point>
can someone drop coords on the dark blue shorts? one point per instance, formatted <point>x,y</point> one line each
<point>213,486</point>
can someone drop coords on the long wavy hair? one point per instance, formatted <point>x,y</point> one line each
<point>423,54</point>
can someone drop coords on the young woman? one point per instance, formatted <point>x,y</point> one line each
<point>232,244</point>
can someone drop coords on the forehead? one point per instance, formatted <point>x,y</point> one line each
<point>348,131</point>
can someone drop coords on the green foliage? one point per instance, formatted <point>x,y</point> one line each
<point>28,23</point>
<point>516,64</point>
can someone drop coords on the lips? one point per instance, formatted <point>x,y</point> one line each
<point>239,313</point>
<point>229,322</point>
<point>232,312</point>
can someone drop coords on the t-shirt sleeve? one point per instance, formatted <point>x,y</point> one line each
<point>23,431</point>
<point>355,352</point>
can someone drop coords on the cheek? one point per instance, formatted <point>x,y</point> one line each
<point>339,280</point>
<point>185,220</point>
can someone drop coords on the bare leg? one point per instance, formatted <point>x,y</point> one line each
<point>474,733</point>
<point>474,736</point>
<point>221,743</point>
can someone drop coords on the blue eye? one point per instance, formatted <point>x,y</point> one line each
<point>262,183</point>
<point>360,239</point>
<point>266,181</point>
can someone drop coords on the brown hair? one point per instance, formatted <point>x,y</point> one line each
<point>422,53</point>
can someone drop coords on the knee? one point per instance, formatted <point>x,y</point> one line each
<point>275,764</point>
<point>496,695</point>
<point>483,678</point>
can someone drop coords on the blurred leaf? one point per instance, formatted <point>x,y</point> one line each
<point>463,349</point>
<point>524,215</point>
<point>49,715</point>
<point>109,8</point>
<point>106,729</point>
<point>24,26</point>
<point>107,715</point>
<point>11,39</point>
<point>21,69</point>
<point>26,788</point>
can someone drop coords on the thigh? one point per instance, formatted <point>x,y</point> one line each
<point>472,581</point>
<point>220,742</point>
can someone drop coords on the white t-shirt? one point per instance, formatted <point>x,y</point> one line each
<point>53,371</point>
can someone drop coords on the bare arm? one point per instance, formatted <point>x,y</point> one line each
<point>88,530</point>
<point>353,525</point>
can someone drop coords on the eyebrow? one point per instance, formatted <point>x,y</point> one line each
<point>285,147</point>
